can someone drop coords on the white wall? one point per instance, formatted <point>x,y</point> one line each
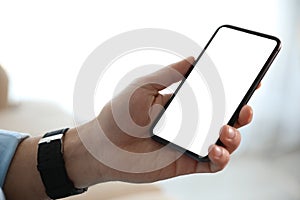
<point>43,44</point>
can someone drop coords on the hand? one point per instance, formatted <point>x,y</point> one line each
<point>121,150</point>
<point>139,99</point>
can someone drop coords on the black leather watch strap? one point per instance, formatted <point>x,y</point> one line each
<point>51,166</point>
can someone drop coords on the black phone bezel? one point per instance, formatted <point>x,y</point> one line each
<point>243,102</point>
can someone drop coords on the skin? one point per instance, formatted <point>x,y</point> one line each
<point>23,180</point>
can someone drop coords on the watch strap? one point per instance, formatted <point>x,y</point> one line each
<point>51,166</point>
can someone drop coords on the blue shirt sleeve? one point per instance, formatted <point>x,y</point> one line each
<point>9,142</point>
<point>1,195</point>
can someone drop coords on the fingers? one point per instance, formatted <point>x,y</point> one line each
<point>167,75</point>
<point>219,157</point>
<point>259,85</point>
<point>230,137</point>
<point>245,116</point>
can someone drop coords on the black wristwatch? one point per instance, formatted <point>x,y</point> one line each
<point>51,166</point>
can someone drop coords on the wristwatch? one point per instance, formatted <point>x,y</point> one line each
<point>51,166</point>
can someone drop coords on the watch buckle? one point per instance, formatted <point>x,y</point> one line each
<point>51,138</point>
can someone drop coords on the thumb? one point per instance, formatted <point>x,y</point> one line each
<point>166,76</point>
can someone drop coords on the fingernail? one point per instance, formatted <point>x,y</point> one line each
<point>221,130</point>
<point>218,152</point>
<point>231,133</point>
<point>190,59</point>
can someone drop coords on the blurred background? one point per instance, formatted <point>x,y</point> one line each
<point>43,44</point>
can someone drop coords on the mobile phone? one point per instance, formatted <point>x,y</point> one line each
<point>220,82</point>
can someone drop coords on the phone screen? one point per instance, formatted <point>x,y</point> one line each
<point>233,61</point>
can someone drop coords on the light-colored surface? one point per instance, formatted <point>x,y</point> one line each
<point>122,191</point>
<point>246,177</point>
<point>33,117</point>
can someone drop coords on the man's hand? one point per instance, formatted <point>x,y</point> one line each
<point>126,120</point>
<point>122,150</point>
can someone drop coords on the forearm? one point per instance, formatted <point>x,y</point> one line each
<point>23,179</point>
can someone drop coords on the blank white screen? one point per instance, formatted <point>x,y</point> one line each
<point>238,57</point>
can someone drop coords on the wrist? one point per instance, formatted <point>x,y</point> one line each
<point>82,168</point>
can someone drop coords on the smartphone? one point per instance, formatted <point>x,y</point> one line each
<point>219,83</point>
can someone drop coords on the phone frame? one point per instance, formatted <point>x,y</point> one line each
<point>243,102</point>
